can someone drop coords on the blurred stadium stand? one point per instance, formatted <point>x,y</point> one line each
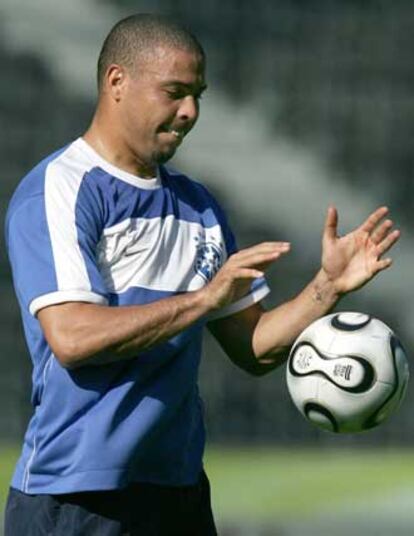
<point>310,102</point>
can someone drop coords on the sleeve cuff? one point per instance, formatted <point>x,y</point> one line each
<point>253,297</point>
<point>65,296</point>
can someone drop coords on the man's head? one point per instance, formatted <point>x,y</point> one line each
<point>134,37</point>
<point>150,78</point>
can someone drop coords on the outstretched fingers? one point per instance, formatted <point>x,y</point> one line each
<point>249,273</point>
<point>381,231</point>
<point>263,253</point>
<point>252,262</point>
<point>373,219</point>
<point>387,242</point>
<point>382,264</point>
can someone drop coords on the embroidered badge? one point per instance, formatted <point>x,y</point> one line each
<point>209,258</point>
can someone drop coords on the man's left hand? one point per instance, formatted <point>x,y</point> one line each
<point>352,260</point>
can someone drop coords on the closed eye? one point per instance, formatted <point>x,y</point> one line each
<point>176,95</point>
<point>177,92</point>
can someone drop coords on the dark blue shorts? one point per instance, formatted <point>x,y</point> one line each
<point>139,510</point>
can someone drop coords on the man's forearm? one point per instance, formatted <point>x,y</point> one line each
<point>277,329</point>
<point>84,333</point>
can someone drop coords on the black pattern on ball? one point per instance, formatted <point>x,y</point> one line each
<point>317,408</point>
<point>365,384</point>
<point>337,323</point>
<point>373,419</point>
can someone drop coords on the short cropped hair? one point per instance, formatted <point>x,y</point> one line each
<point>134,36</point>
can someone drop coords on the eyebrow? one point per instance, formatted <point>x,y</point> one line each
<point>189,87</point>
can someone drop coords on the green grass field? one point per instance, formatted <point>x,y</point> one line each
<point>265,484</point>
<point>295,484</point>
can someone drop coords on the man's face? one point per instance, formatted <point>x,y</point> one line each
<point>160,103</point>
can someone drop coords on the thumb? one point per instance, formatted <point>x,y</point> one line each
<point>331,224</point>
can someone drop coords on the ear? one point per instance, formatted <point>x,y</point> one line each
<point>115,81</point>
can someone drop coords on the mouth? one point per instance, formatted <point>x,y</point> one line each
<point>179,134</point>
<point>176,133</point>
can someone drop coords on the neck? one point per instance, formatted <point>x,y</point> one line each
<point>108,144</point>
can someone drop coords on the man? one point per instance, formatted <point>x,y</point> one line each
<point>118,264</point>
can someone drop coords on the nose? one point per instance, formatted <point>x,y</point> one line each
<point>189,109</point>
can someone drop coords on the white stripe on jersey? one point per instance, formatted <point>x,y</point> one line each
<point>62,183</point>
<point>253,297</point>
<point>164,254</point>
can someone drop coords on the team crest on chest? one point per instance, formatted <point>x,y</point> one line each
<point>209,257</point>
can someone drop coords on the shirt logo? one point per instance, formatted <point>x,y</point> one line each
<point>209,258</point>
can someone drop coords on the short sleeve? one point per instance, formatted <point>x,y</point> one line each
<point>52,242</point>
<point>259,288</point>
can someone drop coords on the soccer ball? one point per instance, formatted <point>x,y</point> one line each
<point>347,372</point>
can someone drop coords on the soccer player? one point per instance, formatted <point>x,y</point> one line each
<point>118,264</point>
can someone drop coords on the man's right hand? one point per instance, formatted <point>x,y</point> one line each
<point>233,280</point>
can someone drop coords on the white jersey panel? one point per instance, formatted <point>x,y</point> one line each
<point>165,254</point>
<point>62,182</point>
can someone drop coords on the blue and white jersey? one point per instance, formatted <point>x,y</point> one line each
<point>79,229</point>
